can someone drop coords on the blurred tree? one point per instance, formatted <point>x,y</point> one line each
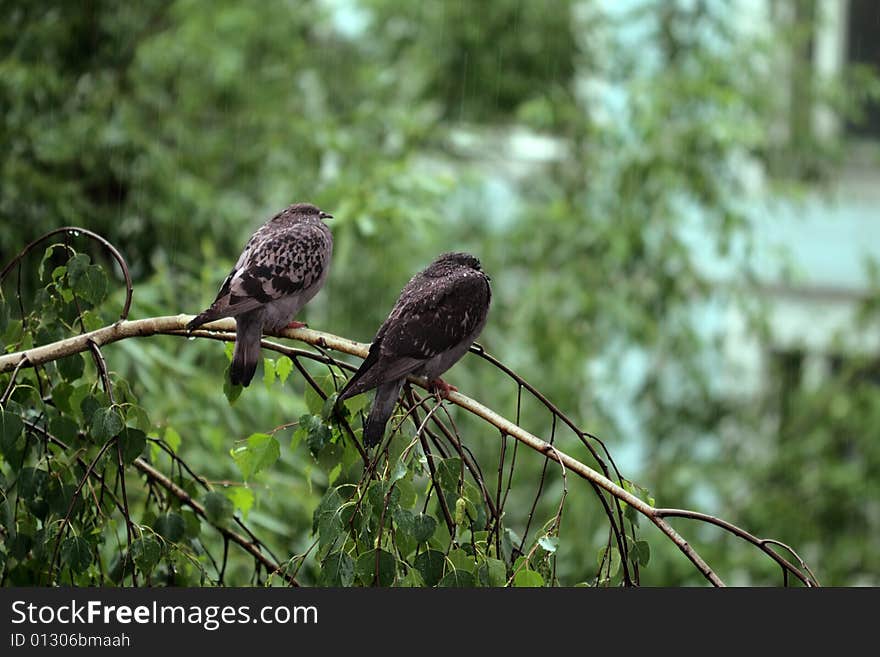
<point>479,63</point>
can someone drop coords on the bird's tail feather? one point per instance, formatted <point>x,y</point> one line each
<point>383,407</point>
<point>202,318</point>
<point>248,331</point>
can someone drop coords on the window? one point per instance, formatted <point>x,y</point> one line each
<point>863,47</point>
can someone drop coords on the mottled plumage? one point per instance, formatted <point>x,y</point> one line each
<point>282,267</point>
<point>438,315</point>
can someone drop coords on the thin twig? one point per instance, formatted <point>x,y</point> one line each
<point>238,539</point>
<point>101,364</point>
<point>9,388</point>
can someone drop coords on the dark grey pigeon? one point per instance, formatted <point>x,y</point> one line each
<point>282,267</point>
<point>438,315</point>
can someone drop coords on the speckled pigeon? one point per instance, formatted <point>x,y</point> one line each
<point>438,315</point>
<point>282,267</point>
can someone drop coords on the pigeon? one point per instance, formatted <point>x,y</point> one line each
<point>438,315</point>
<point>283,265</point>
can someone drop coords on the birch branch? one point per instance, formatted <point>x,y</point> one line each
<point>176,325</point>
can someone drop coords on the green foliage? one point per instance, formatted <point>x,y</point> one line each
<point>76,553</point>
<point>258,453</point>
<point>218,508</point>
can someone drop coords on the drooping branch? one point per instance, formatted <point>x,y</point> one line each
<point>223,329</point>
<point>228,534</point>
<point>250,545</point>
<point>76,231</point>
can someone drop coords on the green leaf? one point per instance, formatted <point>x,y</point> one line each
<point>4,315</point>
<point>12,438</point>
<point>71,367</point>
<point>376,496</point>
<point>430,565</point>
<point>193,526</point>
<point>630,513</point>
<point>121,566</point>
<point>423,527</point>
<point>449,474</point>
<point>387,568</point>
<point>132,441</point>
<point>412,579</point>
<point>59,496</point>
<point>329,405</point>
<point>334,473</point>
<point>260,451</point>
<point>549,543</point>
<point>232,392</point>
<point>317,433</point>
<point>31,483</point>
<point>457,579</point>
<point>268,372</point>
<point>326,521</point>
<point>356,403</point>
<point>461,560</point>
<point>605,554</point>
<point>460,512</point>
<point>170,526</point>
<point>63,428</point>
<point>146,553</point>
<point>242,498</point>
<point>399,472</point>
<point>138,417</point>
<point>76,268</point>
<point>405,521</point>
<point>283,368</point>
<point>91,285</point>
<point>218,508</point>
<point>492,572</point>
<point>528,578</point>
<point>407,493</point>
<point>61,395</point>
<point>88,405</point>
<point>642,551</point>
<point>337,570</point>
<point>92,321</point>
<point>404,545</point>
<point>105,423</point>
<point>172,438</point>
<point>19,545</point>
<point>314,401</point>
<point>76,553</point>
<point>509,541</point>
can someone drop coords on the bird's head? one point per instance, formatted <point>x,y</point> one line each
<point>448,262</point>
<point>305,212</point>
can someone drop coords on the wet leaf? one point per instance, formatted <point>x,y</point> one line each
<point>170,526</point>
<point>337,570</point>
<point>76,553</point>
<point>260,452</point>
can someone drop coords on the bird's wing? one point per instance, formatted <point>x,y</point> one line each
<point>273,266</point>
<point>376,370</point>
<point>425,322</point>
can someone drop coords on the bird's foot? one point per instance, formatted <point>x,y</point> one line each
<point>295,325</point>
<point>440,388</point>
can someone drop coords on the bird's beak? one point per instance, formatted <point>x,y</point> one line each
<point>325,215</point>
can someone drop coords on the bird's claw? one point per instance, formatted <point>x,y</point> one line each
<point>296,325</point>
<point>440,388</point>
